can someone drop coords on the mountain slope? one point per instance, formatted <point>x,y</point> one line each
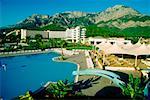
<point>66,19</point>
<point>118,17</point>
<point>115,12</point>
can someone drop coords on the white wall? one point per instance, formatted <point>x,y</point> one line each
<point>57,34</point>
<point>23,34</point>
<point>109,40</point>
<point>74,34</point>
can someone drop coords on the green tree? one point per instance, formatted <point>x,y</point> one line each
<point>3,38</point>
<point>38,37</point>
<point>133,88</point>
<point>42,45</point>
<point>18,38</point>
<point>28,38</point>
<point>60,89</point>
<point>54,43</point>
<point>27,96</point>
<point>63,44</point>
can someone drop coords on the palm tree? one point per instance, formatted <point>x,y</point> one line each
<point>53,42</point>
<point>28,38</point>
<point>50,43</point>
<point>38,37</point>
<point>3,38</point>
<point>59,89</point>
<point>27,96</point>
<point>18,38</point>
<point>133,88</point>
<point>65,88</point>
<point>62,44</point>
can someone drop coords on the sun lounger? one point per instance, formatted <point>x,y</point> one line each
<point>146,62</point>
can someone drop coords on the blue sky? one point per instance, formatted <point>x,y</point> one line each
<point>13,11</point>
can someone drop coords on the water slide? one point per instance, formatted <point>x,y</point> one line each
<point>107,74</point>
<point>110,75</point>
<point>146,89</point>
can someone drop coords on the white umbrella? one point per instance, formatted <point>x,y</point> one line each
<point>115,49</point>
<point>103,46</point>
<point>148,46</point>
<point>129,46</point>
<point>142,50</point>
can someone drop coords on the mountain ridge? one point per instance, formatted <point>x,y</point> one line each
<point>74,18</point>
<point>118,16</point>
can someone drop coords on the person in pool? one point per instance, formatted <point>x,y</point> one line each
<point>4,66</point>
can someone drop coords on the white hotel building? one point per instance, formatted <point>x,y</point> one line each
<point>74,34</point>
<point>100,40</point>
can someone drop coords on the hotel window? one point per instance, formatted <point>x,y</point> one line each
<point>98,42</point>
<point>112,42</point>
<point>125,43</point>
<point>92,42</point>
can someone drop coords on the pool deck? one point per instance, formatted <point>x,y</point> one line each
<point>78,59</point>
<point>24,53</point>
<point>102,82</point>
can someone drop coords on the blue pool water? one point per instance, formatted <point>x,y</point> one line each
<point>30,72</point>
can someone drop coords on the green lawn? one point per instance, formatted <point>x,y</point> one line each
<point>80,47</point>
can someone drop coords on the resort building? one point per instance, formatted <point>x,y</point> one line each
<point>32,33</point>
<point>74,34</point>
<point>57,34</point>
<point>99,40</point>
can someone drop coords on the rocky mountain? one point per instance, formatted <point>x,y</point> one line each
<point>66,19</point>
<point>118,16</point>
<point>122,17</point>
<point>115,12</point>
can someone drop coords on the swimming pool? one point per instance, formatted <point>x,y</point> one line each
<point>30,72</point>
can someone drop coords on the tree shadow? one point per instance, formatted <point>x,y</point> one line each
<point>43,93</point>
<point>39,93</point>
<point>123,76</point>
<point>84,84</point>
<point>110,92</point>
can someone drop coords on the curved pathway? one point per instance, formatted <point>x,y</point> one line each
<point>107,74</point>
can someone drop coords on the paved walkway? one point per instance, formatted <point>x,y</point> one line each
<point>89,60</point>
<point>102,83</point>
<point>79,59</point>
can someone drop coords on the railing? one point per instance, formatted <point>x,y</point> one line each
<point>20,52</point>
<point>119,68</point>
<point>89,60</point>
<point>77,76</point>
<point>64,51</point>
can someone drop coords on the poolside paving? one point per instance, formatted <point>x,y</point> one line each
<point>102,83</point>
<point>99,84</point>
<point>79,59</point>
<point>23,53</point>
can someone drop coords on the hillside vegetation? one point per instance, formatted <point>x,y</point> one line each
<point>116,21</point>
<point>116,32</point>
